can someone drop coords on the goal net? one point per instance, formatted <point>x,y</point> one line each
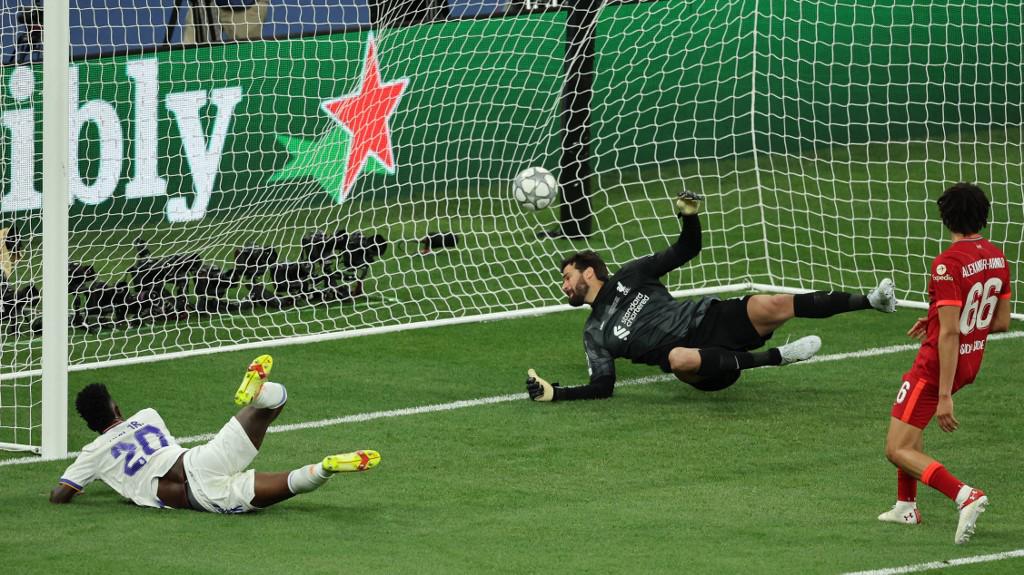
<point>246,171</point>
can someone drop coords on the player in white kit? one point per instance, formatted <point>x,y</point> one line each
<point>139,458</point>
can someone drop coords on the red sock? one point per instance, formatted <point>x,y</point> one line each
<point>936,477</point>
<point>906,486</point>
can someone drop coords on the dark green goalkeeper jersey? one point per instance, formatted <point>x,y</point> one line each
<point>635,317</point>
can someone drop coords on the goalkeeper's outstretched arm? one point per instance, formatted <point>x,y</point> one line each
<point>686,247</point>
<point>602,378</point>
<point>540,390</point>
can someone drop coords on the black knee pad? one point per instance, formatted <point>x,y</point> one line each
<point>718,382</point>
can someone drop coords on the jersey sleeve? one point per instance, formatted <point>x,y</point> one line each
<point>81,472</point>
<point>601,365</point>
<point>945,287</point>
<point>685,249</point>
<point>600,362</point>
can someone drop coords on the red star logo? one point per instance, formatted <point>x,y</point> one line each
<point>364,114</point>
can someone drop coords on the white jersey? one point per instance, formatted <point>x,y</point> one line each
<point>129,457</point>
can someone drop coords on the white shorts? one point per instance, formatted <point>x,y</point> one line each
<point>216,471</point>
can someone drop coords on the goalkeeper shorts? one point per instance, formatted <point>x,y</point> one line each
<point>726,325</point>
<point>217,477</point>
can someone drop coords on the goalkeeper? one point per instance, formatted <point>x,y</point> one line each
<point>139,458</point>
<point>705,342</point>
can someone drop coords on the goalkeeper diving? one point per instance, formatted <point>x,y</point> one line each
<point>705,342</point>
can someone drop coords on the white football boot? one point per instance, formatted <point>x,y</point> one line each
<point>800,350</point>
<point>883,297</point>
<point>970,509</point>
<point>904,512</point>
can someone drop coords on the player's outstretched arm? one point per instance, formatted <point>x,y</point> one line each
<point>602,377</point>
<point>538,387</point>
<point>688,203</point>
<point>62,493</point>
<point>540,390</point>
<point>688,245</point>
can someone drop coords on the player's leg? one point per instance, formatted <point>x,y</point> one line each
<point>719,348</point>
<point>715,368</point>
<point>695,365</point>
<point>902,448</point>
<point>914,408</point>
<point>768,312</point>
<point>709,383</point>
<point>271,488</point>
<point>255,421</point>
<point>904,441</point>
<point>263,400</point>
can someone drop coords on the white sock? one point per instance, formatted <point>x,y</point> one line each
<point>272,396</point>
<point>963,494</point>
<point>307,478</point>
<point>906,505</point>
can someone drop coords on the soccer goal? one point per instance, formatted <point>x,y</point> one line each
<point>207,175</point>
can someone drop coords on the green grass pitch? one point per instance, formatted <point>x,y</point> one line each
<point>782,473</point>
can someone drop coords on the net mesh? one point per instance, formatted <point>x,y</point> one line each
<point>252,170</point>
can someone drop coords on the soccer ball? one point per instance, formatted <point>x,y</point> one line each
<point>535,189</point>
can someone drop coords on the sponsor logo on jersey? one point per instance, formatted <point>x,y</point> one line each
<point>620,332</point>
<point>634,310</point>
<point>967,348</point>
<point>940,274</point>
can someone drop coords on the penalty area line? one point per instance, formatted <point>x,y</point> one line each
<point>461,404</point>
<point>942,564</point>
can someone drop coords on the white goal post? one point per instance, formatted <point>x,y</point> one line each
<point>214,175</point>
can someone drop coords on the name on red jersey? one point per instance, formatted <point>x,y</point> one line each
<point>982,265</point>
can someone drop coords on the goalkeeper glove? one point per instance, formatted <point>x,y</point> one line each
<point>539,389</point>
<point>688,203</point>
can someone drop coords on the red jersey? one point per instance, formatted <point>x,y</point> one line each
<point>972,275</point>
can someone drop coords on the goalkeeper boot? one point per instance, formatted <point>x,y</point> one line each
<point>883,297</point>
<point>799,350</point>
<point>904,512</point>
<point>970,509</point>
<point>255,376</point>
<point>361,460</point>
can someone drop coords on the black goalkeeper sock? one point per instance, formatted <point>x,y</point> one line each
<point>821,304</point>
<point>715,361</point>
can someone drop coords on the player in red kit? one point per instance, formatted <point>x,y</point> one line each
<point>969,297</point>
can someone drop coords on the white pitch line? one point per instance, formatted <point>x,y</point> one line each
<point>438,407</point>
<point>942,564</point>
<point>894,349</point>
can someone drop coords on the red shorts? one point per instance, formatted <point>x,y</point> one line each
<point>916,402</point>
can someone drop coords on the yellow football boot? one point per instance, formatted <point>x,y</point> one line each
<point>254,379</point>
<point>361,460</point>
